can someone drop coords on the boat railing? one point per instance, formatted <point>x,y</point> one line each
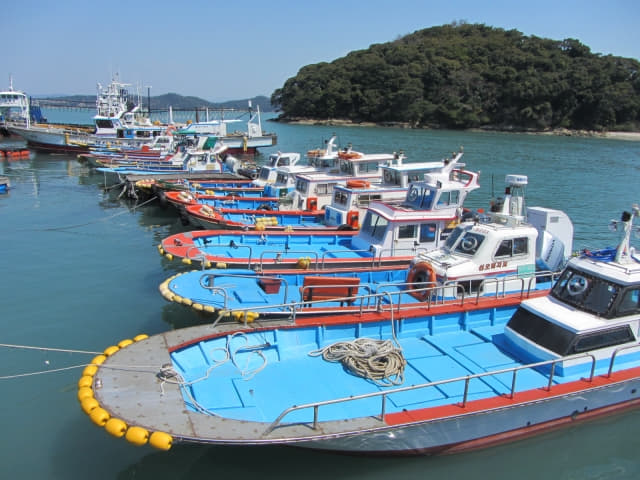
<point>615,354</point>
<point>465,380</point>
<point>403,297</point>
<point>207,281</point>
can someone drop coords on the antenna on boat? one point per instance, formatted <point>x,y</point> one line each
<point>623,252</point>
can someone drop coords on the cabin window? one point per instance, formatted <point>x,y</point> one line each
<point>428,232</point>
<point>630,303</point>
<point>602,339</point>
<point>561,341</point>
<point>301,186</point>
<point>264,173</point>
<point>469,243</point>
<point>324,188</point>
<point>448,198</point>
<point>392,177</point>
<point>346,167</point>
<point>340,198</point>
<point>374,225</point>
<point>407,231</point>
<point>512,247</point>
<point>368,167</point>
<point>364,200</point>
<point>585,292</point>
<point>282,178</point>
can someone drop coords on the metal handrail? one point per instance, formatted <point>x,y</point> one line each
<point>466,379</point>
<point>214,289</point>
<point>615,354</point>
<point>372,301</point>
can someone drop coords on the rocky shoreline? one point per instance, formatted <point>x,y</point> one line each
<point>618,135</point>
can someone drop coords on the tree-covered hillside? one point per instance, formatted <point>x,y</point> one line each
<point>464,76</point>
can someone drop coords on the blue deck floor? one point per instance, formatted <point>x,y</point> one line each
<point>292,377</point>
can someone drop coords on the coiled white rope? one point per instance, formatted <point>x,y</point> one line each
<point>377,360</point>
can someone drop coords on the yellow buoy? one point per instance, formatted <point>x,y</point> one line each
<point>89,370</point>
<point>137,435</point>
<point>99,416</point>
<point>206,263</point>
<point>221,265</point>
<point>161,440</point>
<point>209,309</point>
<point>85,381</point>
<point>168,256</point>
<point>251,316</point>
<point>84,392</point>
<point>115,427</point>
<point>99,359</point>
<point>198,307</point>
<point>111,350</point>
<point>186,261</point>
<point>88,404</point>
<point>142,336</point>
<point>125,343</point>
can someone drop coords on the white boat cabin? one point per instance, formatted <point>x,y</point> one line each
<point>268,172</point>
<point>348,202</point>
<point>431,210</point>
<point>363,167</point>
<point>14,107</point>
<point>594,307</point>
<point>501,251</point>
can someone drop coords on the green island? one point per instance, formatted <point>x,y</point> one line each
<point>469,76</point>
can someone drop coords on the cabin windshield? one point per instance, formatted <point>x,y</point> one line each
<point>264,173</point>
<point>467,244</point>
<point>420,197</point>
<point>586,292</point>
<point>340,197</point>
<point>374,225</point>
<point>281,179</point>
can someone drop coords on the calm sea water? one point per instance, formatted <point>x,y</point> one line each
<point>80,271</point>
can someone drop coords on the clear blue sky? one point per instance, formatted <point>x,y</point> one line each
<point>225,50</point>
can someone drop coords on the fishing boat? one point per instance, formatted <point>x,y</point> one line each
<point>382,383</point>
<point>212,218</point>
<point>233,200</point>
<point>493,254</point>
<point>390,234</point>
<point>212,160</point>
<point>119,120</point>
<point>347,203</point>
<point>357,168</point>
<point>238,142</point>
<point>157,151</point>
<point>5,184</point>
<point>14,109</point>
<point>507,245</point>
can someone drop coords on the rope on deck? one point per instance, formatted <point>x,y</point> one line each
<point>377,360</point>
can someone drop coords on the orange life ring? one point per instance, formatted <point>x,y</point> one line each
<point>421,275</point>
<point>348,155</point>
<point>358,184</point>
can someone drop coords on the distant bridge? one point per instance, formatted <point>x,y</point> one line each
<point>180,115</point>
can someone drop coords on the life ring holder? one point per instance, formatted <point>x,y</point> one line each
<point>421,275</point>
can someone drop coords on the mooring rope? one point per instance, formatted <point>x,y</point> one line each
<point>48,349</point>
<point>104,219</point>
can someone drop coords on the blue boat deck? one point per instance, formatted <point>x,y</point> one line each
<point>259,386</point>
